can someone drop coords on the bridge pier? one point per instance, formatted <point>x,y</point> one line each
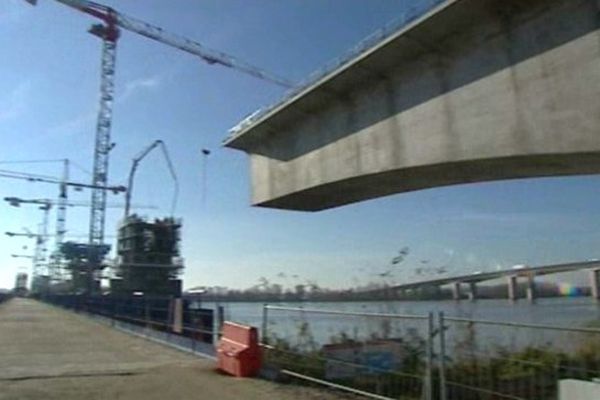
<point>456,292</point>
<point>512,287</point>
<point>531,288</point>
<point>472,291</point>
<point>595,283</point>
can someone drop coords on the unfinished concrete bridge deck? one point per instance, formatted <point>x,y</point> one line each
<point>473,90</point>
<point>48,353</point>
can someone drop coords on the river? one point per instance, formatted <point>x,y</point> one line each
<point>303,327</point>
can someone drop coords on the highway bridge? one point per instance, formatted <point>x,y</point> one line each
<point>512,275</point>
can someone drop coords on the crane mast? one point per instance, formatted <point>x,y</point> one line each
<point>61,213</point>
<point>41,241</point>
<point>61,222</point>
<point>109,35</point>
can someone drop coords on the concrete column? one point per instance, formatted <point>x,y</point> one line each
<point>456,294</point>
<point>472,291</point>
<point>531,288</point>
<point>595,283</point>
<point>512,287</point>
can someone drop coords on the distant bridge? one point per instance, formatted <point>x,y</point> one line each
<point>512,275</point>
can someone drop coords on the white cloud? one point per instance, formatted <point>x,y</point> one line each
<point>81,123</point>
<point>137,85</point>
<point>15,103</point>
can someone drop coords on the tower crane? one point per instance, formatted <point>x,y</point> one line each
<point>46,204</point>
<point>16,202</point>
<point>51,179</point>
<point>62,202</point>
<point>32,235</point>
<point>108,31</point>
<point>41,238</point>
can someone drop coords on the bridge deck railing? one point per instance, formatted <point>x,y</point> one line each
<point>417,10</point>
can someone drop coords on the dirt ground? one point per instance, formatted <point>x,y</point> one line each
<point>48,353</point>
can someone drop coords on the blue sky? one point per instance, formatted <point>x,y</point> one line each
<point>49,79</point>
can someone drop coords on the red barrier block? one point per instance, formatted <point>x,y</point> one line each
<point>238,352</point>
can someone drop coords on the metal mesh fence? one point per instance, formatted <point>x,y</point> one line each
<point>503,360</point>
<point>377,355</point>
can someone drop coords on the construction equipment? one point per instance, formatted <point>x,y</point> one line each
<point>114,20</point>
<point>20,284</point>
<point>55,264</point>
<point>148,257</point>
<point>52,179</point>
<point>38,259</point>
<point>84,272</point>
<point>61,213</point>
<point>109,32</point>
<point>32,235</point>
<point>148,252</point>
<point>61,222</point>
<point>16,202</point>
<point>41,276</point>
<point>134,165</point>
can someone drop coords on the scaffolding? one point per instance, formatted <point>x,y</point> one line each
<point>148,257</point>
<point>84,271</point>
<point>21,284</point>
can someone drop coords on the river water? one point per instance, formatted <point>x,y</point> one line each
<point>303,327</point>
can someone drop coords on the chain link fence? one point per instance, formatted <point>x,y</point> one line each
<point>376,355</point>
<point>395,356</point>
<point>379,355</point>
<point>505,360</point>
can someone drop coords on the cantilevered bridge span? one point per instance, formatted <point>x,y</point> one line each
<point>473,90</point>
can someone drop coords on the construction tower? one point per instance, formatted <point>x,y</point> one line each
<point>148,261</point>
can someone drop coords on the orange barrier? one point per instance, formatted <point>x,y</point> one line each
<point>238,353</point>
